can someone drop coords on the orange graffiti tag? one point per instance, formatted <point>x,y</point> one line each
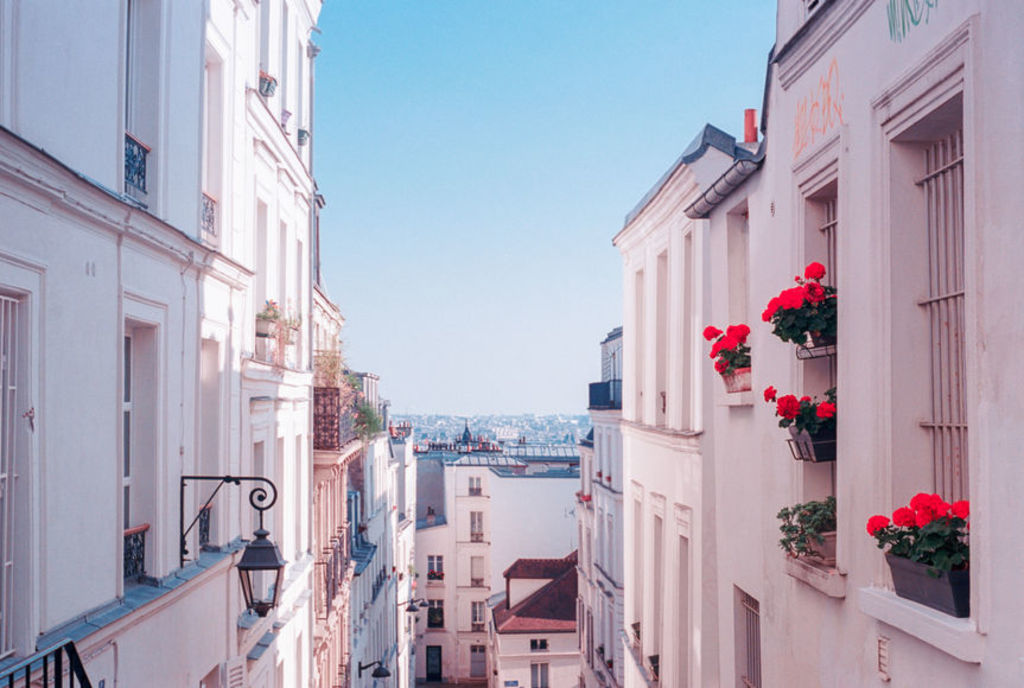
<point>818,112</point>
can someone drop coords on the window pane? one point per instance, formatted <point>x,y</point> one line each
<point>127,369</point>
<point>127,422</point>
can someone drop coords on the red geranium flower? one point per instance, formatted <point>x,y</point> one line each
<point>961,509</point>
<point>791,298</point>
<point>814,292</point>
<point>904,516</point>
<point>787,407</point>
<point>738,332</point>
<point>769,393</point>
<point>814,270</point>
<point>826,409</point>
<point>877,523</point>
<point>710,332</point>
<point>721,365</point>
<point>769,311</point>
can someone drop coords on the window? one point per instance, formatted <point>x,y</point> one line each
<point>538,644</point>
<point>11,408</point>
<point>478,610</point>
<point>126,430</point>
<point>682,585</point>
<point>475,486</point>
<point>213,116</point>
<point>476,572</point>
<point>435,614</point>
<point>657,578</point>
<point>539,675</point>
<point>639,355</point>
<point>435,567</point>
<point>476,526</point>
<point>748,641</point>
<point>661,340</point>
<point>638,567</point>
<point>477,661</point>
<point>141,103</point>
<point>139,398</point>
<point>929,297</point>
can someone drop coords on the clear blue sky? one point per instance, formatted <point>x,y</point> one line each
<point>478,156</point>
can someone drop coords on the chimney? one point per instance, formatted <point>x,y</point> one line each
<point>749,126</point>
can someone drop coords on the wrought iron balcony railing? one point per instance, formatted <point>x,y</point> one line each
<point>45,666</point>
<point>606,395</point>
<point>476,537</point>
<point>476,582</point>
<point>135,552</point>
<point>135,157</point>
<point>476,491</point>
<point>204,526</point>
<point>208,220</point>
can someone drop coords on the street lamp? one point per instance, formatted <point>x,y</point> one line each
<point>380,672</point>
<point>260,555</point>
<point>412,607</point>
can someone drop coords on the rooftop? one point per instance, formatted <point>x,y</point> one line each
<point>551,608</point>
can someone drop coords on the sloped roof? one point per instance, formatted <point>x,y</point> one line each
<point>551,609</point>
<point>541,568</point>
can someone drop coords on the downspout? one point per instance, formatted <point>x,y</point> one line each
<point>725,185</point>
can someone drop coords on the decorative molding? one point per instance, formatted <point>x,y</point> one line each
<point>806,47</point>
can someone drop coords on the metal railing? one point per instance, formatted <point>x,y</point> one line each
<point>47,668</point>
<point>476,582</point>
<point>606,394</point>
<point>208,220</point>
<point>478,627</point>
<point>476,537</point>
<point>135,155</point>
<point>204,525</point>
<point>135,552</point>
<point>476,491</point>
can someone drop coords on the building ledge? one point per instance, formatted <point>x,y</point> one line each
<point>956,637</point>
<point>825,580</point>
<point>735,399</point>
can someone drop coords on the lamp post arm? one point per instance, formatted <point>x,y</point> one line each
<point>258,499</point>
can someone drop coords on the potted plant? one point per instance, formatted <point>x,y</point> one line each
<point>806,311</point>
<point>303,137</point>
<point>928,553</point>
<point>809,530</point>
<point>268,84</point>
<point>733,355</point>
<point>435,575</point>
<point>609,663</point>
<point>265,319</point>
<point>811,423</point>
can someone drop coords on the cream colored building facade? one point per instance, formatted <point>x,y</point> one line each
<point>143,177</point>
<point>885,125</point>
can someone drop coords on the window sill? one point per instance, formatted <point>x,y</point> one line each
<point>735,398</point>
<point>956,637</point>
<point>827,581</point>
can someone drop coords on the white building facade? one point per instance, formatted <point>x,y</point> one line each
<point>600,521</point>
<point>136,234</point>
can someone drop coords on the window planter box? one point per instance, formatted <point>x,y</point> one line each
<point>264,327</point>
<point>816,448</point>
<point>737,381</point>
<point>268,85</point>
<point>949,592</point>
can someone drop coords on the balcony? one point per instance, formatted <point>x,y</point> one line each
<point>476,491</point>
<point>135,553</point>
<point>479,627</point>
<point>476,537</point>
<point>606,395</point>
<point>136,154</point>
<point>208,220</point>
<point>476,582</point>
<point>331,566</point>
<point>38,669</point>
<point>327,418</point>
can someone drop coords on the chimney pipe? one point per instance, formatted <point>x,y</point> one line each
<point>749,126</point>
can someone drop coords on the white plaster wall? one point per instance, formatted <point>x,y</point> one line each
<point>530,517</point>
<point>514,658</point>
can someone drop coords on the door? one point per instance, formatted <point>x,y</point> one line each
<point>477,661</point>
<point>433,662</point>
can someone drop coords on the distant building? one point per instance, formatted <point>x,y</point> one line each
<point>599,513</point>
<point>532,635</point>
<point>480,506</point>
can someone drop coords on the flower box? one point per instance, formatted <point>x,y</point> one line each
<point>817,448</point>
<point>264,327</point>
<point>946,591</point>
<point>268,85</point>
<point>737,381</point>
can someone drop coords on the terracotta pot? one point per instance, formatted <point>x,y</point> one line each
<point>948,591</point>
<point>737,381</point>
<point>827,550</point>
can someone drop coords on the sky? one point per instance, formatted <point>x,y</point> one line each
<point>478,156</point>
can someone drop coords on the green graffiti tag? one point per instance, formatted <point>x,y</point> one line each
<point>906,14</point>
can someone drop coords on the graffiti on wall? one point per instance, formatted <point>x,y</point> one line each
<point>818,112</point>
<point>904,15</point>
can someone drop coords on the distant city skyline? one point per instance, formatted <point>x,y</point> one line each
<point>479,157</point>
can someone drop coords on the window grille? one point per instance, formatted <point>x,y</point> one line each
<point>751,620</point>
<point>8,419</point>
<point>944,190</point>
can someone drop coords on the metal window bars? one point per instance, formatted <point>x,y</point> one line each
<point>943,185</point>
<point>752,641</point>
<point>208,219</point>
<point>135,157</point>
